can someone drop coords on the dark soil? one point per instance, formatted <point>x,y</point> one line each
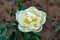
<point>51,7</point>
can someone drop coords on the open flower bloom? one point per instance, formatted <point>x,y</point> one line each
<point>30,19</point>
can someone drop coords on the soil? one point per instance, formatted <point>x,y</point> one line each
<point>51,7</point>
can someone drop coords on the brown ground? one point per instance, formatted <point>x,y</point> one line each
<point>51,7</point>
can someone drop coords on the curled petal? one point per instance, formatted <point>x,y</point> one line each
<point>38,30</point>
<point>23,29</point>
<point>43,17</point>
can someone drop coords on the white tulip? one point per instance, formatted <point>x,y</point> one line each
<point>30,19</point>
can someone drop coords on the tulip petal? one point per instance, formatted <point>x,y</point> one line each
<point>23,29</point>
<point>38,30</point>
<point>43,17</point>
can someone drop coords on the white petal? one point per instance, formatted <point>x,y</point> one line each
<point>31,14</point>
<point>29,18</point>
<point>31,8</point>
<point>38,30</point>
<point>43,15</point>
<point>23,30</point>
<point>33,28</point>
<point>19,17</point>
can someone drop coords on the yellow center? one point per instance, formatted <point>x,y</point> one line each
<point>26,21</point>
<point>34,19</point>
<point>35,25</point>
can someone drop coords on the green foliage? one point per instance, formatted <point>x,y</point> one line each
<point>3,31</point>
<point>30,35</point>
<point>20,6</point>
<point>13,35</point>
<point>36,33</point>
<point>35,38</point>
<point>8,25</point>
<point>57,27</point>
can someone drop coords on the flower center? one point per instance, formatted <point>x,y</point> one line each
<point>26,21</point>
<point>35,25</point>
<point>34,19</point>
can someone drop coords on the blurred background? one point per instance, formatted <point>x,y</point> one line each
<point>51,7</point>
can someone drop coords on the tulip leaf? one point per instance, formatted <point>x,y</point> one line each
<point>36,33</point>
<point>35,38</point>
<point>1,26</point>
<point>57,27</point>
<point>31,36</point>
<point>12,35</point>
<point>8,25</point>
<point>20,6</point>
<point>0,37</point>
<point>26,37</point>
<point>3,32</point>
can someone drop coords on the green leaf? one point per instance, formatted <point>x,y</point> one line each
<point>3,31</point>
<point>0,37</point>
<point>26,37</point>
<point>20,6</point>
<point>36,34</point>
<point>8,25</point>
<point>57,27</point>
<point>31,36</point>
<point>13,35</point>
<point>35,38</point>
<point>1,26</point>
<point>4,37</point>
